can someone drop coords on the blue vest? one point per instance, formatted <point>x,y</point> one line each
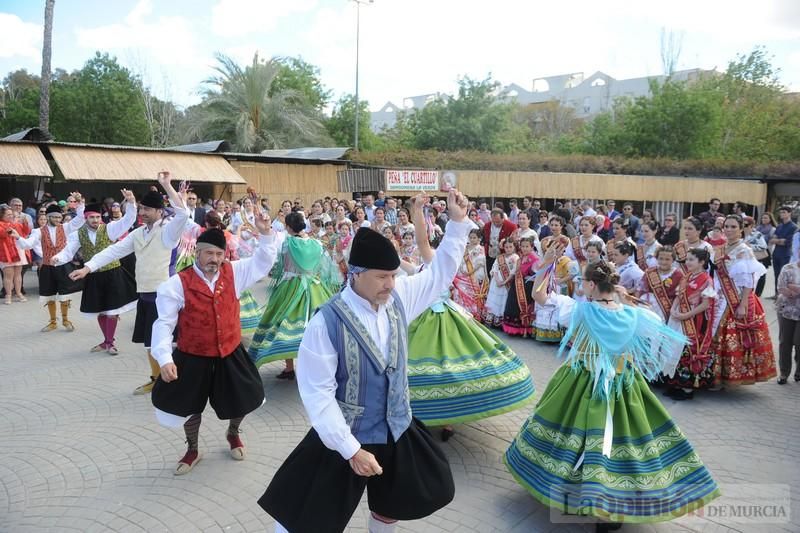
<point>372,394</point>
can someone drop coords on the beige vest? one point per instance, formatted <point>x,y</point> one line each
<point>152,258</point>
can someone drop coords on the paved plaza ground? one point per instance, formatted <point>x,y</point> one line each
<point>79,452</point>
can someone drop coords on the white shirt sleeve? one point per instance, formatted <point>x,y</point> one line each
<point>171,235</point>
<point>169,301</point>
<point>117,228</point>
<point>31,240</point>
<point>316,380</point>
<point>69,251</point>
<point>246,272</point>
<point>420,291</point>
<point>77,221</point>
<point>117,250</point>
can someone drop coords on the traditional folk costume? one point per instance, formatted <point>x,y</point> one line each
<point>546,316</point>
<point>211,363</point>
<point>54,283</point>
<point>305,279</point>
<point>599,442</point>
<point>352,378</point>
<point>109,291</point>
<point>250,311</point>
<point>576,249</point>
<point>519,312</point>
<point>470,285</point>
<point>153,247</point>
<point>744,347</point>
<point>698,367</point>
<point>500,277</point>
<point>630,275</point>
<point>682,249</point>
<point>459,371</point>
<point>647,255</point>
<point>658,290</point>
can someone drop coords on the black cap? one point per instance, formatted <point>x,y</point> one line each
<point>54,208</point>
<point>370,249</point>
<point>93,208</point>
<point>214,237</point>
<point>152,199</point>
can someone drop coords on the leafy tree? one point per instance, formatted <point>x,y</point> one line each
<point>341,125</point>
<point>240,104</point>
<point>100,103</point>
<point>297,75</point>
<point>19,102</point>
<point>473,120</point>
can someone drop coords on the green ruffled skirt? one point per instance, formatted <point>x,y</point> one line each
<point>249,312</point>
<point>459,371</point>
<point>280,330</point>
<point>653,473</point>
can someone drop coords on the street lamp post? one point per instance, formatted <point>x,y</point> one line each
<point>358,24</point>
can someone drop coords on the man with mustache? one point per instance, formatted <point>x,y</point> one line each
<point>209,363</point>
<point>352,377</point>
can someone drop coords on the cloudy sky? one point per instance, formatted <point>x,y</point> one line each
<point>408,47</point>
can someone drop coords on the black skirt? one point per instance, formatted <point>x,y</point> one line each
<point>316,491</point>
<point>146,316</point>
<point>232,385</point>
<point>108,290</point>
<point>55,280</point>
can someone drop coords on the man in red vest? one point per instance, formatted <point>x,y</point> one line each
<point>209,363</point>
<point>494,231</point>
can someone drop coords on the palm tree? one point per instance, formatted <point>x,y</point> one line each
<point>241,106</point>
<point>47,53</point>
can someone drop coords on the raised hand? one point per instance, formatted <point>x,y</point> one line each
<point>263,223</point>
<point>164,178</point>
<point>128,196</point>
<point>457,205</point>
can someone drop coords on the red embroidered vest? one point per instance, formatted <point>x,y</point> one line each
<point>50,248</point>
<point>208,325</point>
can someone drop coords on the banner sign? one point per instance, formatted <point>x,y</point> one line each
<point>412,180</point>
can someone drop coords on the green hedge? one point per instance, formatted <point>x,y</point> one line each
<point>532,162</point>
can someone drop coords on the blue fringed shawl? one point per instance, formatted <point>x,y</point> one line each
<point>611,343</point>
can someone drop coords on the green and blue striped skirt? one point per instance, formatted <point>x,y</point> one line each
<point>652,474</point>
<point>280,330</point>
<point>249,313</point>
<point>459,371</point>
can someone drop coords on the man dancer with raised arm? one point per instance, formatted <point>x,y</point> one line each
<point>152,242</point>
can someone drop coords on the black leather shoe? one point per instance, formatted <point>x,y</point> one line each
<point>286,374</point>
<point>679,395</point>
<point>782,381</point>
<point>447,433</point>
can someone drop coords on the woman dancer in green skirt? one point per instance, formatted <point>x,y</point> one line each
<point>306,278</point>
<point>458,370</point>
<point>599,442</point>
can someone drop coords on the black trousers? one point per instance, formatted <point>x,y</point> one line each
<point>316,491</point>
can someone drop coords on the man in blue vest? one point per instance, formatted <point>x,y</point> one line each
<point>351,373</point>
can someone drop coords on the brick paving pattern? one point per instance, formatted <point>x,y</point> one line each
<point>80,453</point>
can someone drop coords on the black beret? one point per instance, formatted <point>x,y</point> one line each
<point>152,199</point>
<point>214,237</point>
<point>53,208</point>
<point>370,249</point>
